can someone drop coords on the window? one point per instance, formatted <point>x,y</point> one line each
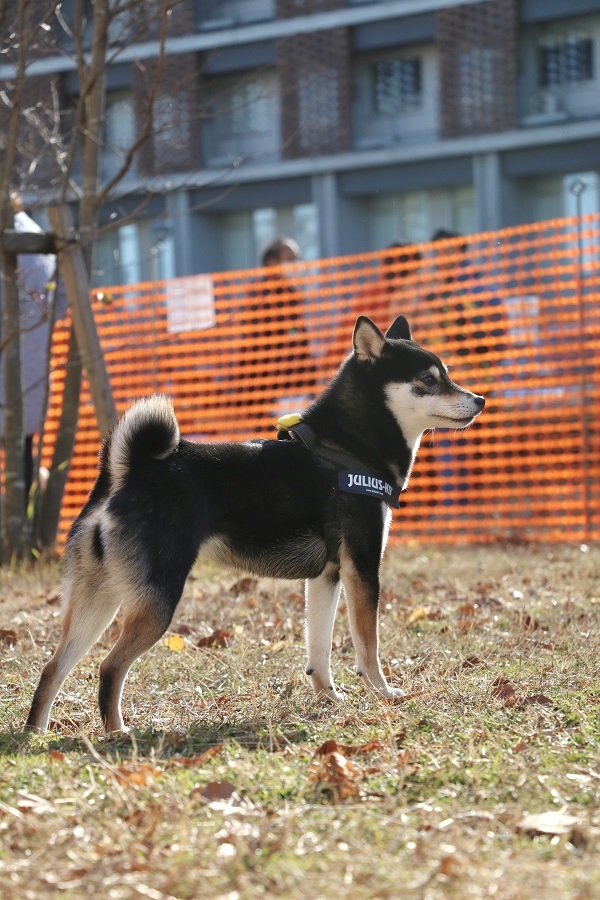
<point>565,60</point>
<point>241,118</point>
<point>119,132</point>
<point>250,108</point>
<point>117,257</point>
<point>120,120</point>
<point>415,215</point>
<point>245,234</point>
<point>397,85</point>
<point>395,98</point>
<point>214,14</point>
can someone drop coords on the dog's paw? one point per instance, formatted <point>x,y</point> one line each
<point>325,688</point>
<point>379,686</point>
<point>116,733</point>
<point>393,693</point>
<point>333,695</point>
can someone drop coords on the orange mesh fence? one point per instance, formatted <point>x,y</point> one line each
<point>514,313</point>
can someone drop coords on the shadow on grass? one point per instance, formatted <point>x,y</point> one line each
<point>255,734</point>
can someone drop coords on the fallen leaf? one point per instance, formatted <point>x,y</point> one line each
<point>243,586</point>
<point>175,643</point>
<point>423,612</point>
<point>138,775</point>
<point>400,737</point>
<point>579,838</point>
<point>216,790</point>
<point>371,746</point>
<point>403,759</point>
<point>330,746</point>
<point>526,622</point>
<point>466,610</point>
<point>449,866</point>
<point>189,762</point>
<point>218,638</point>
<point>349,750</point>
<point>503,690</point>
<point>491,602</point>
<point>471,662</point>
<point>553,822</point>
<point>338,774</point>
<point>538,698</point>
<point>184,630</point>
<point>8,636</point>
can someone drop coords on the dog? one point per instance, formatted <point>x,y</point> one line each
<point>314,505</point>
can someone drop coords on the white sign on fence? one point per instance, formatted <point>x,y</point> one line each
<point>190,303</point>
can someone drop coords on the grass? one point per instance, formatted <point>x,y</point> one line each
<point>236,783</point>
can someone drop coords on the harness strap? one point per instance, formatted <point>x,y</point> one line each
<point>346,473</point>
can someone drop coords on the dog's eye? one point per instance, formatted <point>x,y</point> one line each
<point>428,379</point>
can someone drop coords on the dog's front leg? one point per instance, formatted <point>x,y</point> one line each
<point>361,586</point>
<point>322,596</point>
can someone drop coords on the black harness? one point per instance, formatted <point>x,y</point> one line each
<point>344,472</point>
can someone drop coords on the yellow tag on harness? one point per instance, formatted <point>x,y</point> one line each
<point>288,421</point>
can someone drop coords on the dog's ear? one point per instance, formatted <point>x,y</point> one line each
<point>399,330</point>
<point>367,340</point>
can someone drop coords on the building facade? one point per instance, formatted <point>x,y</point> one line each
<point>346,124</point>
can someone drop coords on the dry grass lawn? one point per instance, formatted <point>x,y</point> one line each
<point>483,782</point>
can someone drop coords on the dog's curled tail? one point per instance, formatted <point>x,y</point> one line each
<point>147,430</point>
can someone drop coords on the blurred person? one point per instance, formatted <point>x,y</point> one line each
<point>280,251</point>
<point>384,295</point>
<point>398,271</point>
<point>464,299</point>
<point>277,331</point>
<point>466,316</point>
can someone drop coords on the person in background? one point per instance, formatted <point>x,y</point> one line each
<point>280,251</point>
<point>400,271</point>
<point>41,305</point>
<point>277,330</point>
<point>290,326</point>
<point>475,323</point>
<point>462,289</point>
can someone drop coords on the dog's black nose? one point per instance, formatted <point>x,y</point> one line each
<point>480,401</point>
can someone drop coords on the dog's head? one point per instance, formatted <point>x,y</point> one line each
<point>415,383</point>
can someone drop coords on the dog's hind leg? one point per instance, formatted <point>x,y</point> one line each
<point>361,586</point>
<point>146,620</point>
<point>90,608</point>
<point>322,596</point>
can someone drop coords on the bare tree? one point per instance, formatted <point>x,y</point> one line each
<point>14,442</point>
<point>60,151</point>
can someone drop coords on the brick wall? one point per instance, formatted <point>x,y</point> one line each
<point>174,145</point>
<point>478,67</point>
<point>315,77</point>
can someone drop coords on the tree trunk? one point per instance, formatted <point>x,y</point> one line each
<point>13,507</point>
<point>49,515</point>
<point>14,440</point>
<point>93,97</point>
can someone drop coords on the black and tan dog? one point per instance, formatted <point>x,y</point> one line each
<point>314,506</point>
